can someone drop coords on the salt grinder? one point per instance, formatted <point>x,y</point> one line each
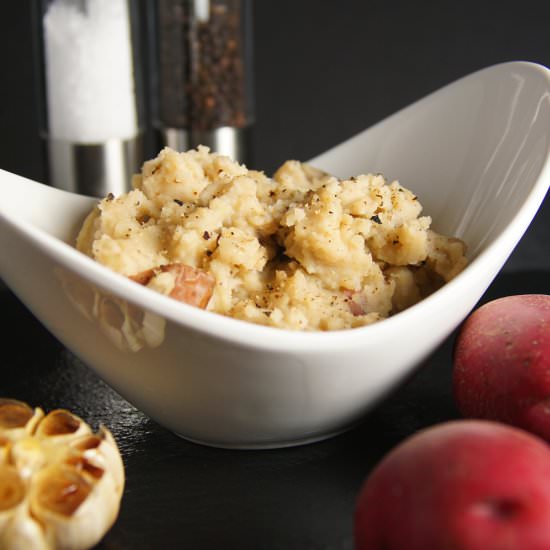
<point>91,100</point>
<point>204,84</point>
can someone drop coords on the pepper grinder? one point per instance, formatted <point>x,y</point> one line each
<point>204,81</point>
<point>91,95</point>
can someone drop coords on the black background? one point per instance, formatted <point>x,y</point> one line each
<point>324,70</point>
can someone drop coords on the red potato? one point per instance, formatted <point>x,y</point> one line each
<point>502,363</point>
<point>465,485</point>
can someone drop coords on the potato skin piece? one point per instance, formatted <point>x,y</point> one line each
<point>191,286</point>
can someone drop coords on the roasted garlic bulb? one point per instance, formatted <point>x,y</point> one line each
<point>60,483</point>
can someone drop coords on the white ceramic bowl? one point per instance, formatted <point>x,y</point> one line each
<point>475,152</point>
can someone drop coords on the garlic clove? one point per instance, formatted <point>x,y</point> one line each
<point>61,425</point>
<point>102,452</point>
<point>75,511</point>
<point>12,489</point>
<point>17,418</point>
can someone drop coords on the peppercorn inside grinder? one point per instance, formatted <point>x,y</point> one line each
<point>203,90</point>
<point>91,101</point>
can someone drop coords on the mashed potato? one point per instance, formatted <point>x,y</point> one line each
<point>301,250</point>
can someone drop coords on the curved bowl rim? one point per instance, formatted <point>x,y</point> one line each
<point>257,336</point>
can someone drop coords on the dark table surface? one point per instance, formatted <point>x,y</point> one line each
<point>324,70</point>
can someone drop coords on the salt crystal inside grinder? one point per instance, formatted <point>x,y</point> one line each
<point>204,90</point>
<point>91,93</point>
